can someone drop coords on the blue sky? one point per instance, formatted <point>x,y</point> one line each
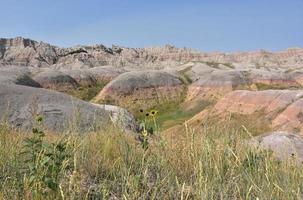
<point>206,25</point>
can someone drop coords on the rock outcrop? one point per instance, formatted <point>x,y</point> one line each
<point>55,80</point>
<point>285,146</point>
<point>121,117</point>
<point>20,104</point>
<point>248,102</point>
<point>216,84</point>
<point>64,80</point>
<point>291,119</point>
<point>26,52</point>
<point>212,83</point>
<point>19,76</point>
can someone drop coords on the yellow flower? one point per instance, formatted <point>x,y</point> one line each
<point>144,133</point>
<point>153,113</point>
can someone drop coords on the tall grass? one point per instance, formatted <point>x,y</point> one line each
<point>210,163</point>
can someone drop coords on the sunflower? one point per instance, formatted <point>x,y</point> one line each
<point>153,113</point>
<point>144,133</point>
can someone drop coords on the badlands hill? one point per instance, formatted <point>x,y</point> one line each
<point>264,88</point>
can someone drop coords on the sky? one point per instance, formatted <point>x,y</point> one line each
<point>205,25</point>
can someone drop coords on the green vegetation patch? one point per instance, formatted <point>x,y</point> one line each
<point>184,77</point>
<point>213,64</point>
<point>87,93</point>
<point>262,86</point>
<point>230,65</point>
<point>179,115</point>
<point>170,115</point>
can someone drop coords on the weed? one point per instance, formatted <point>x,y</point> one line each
<point>146,129</point>
<point>44,162</point>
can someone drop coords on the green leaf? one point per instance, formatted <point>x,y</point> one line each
<point>45,160</point>
<point>51,183</point>
<point>31,179</point>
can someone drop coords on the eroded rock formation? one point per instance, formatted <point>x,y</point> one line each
<point>26,52</point>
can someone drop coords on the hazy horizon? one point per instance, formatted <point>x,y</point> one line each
<point>207,26</point>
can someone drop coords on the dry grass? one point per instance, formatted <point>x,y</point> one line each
<point>209,163</point>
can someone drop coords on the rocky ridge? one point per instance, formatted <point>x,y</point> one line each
<point>26,52</point>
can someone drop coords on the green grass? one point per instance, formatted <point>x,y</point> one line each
<point>213,64</point>
<point>178,115</point>
<point>87,93</point>
<point>262,86</point>
<point>230,65</point>
<point>171,114</point>
<point>184,77</point>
